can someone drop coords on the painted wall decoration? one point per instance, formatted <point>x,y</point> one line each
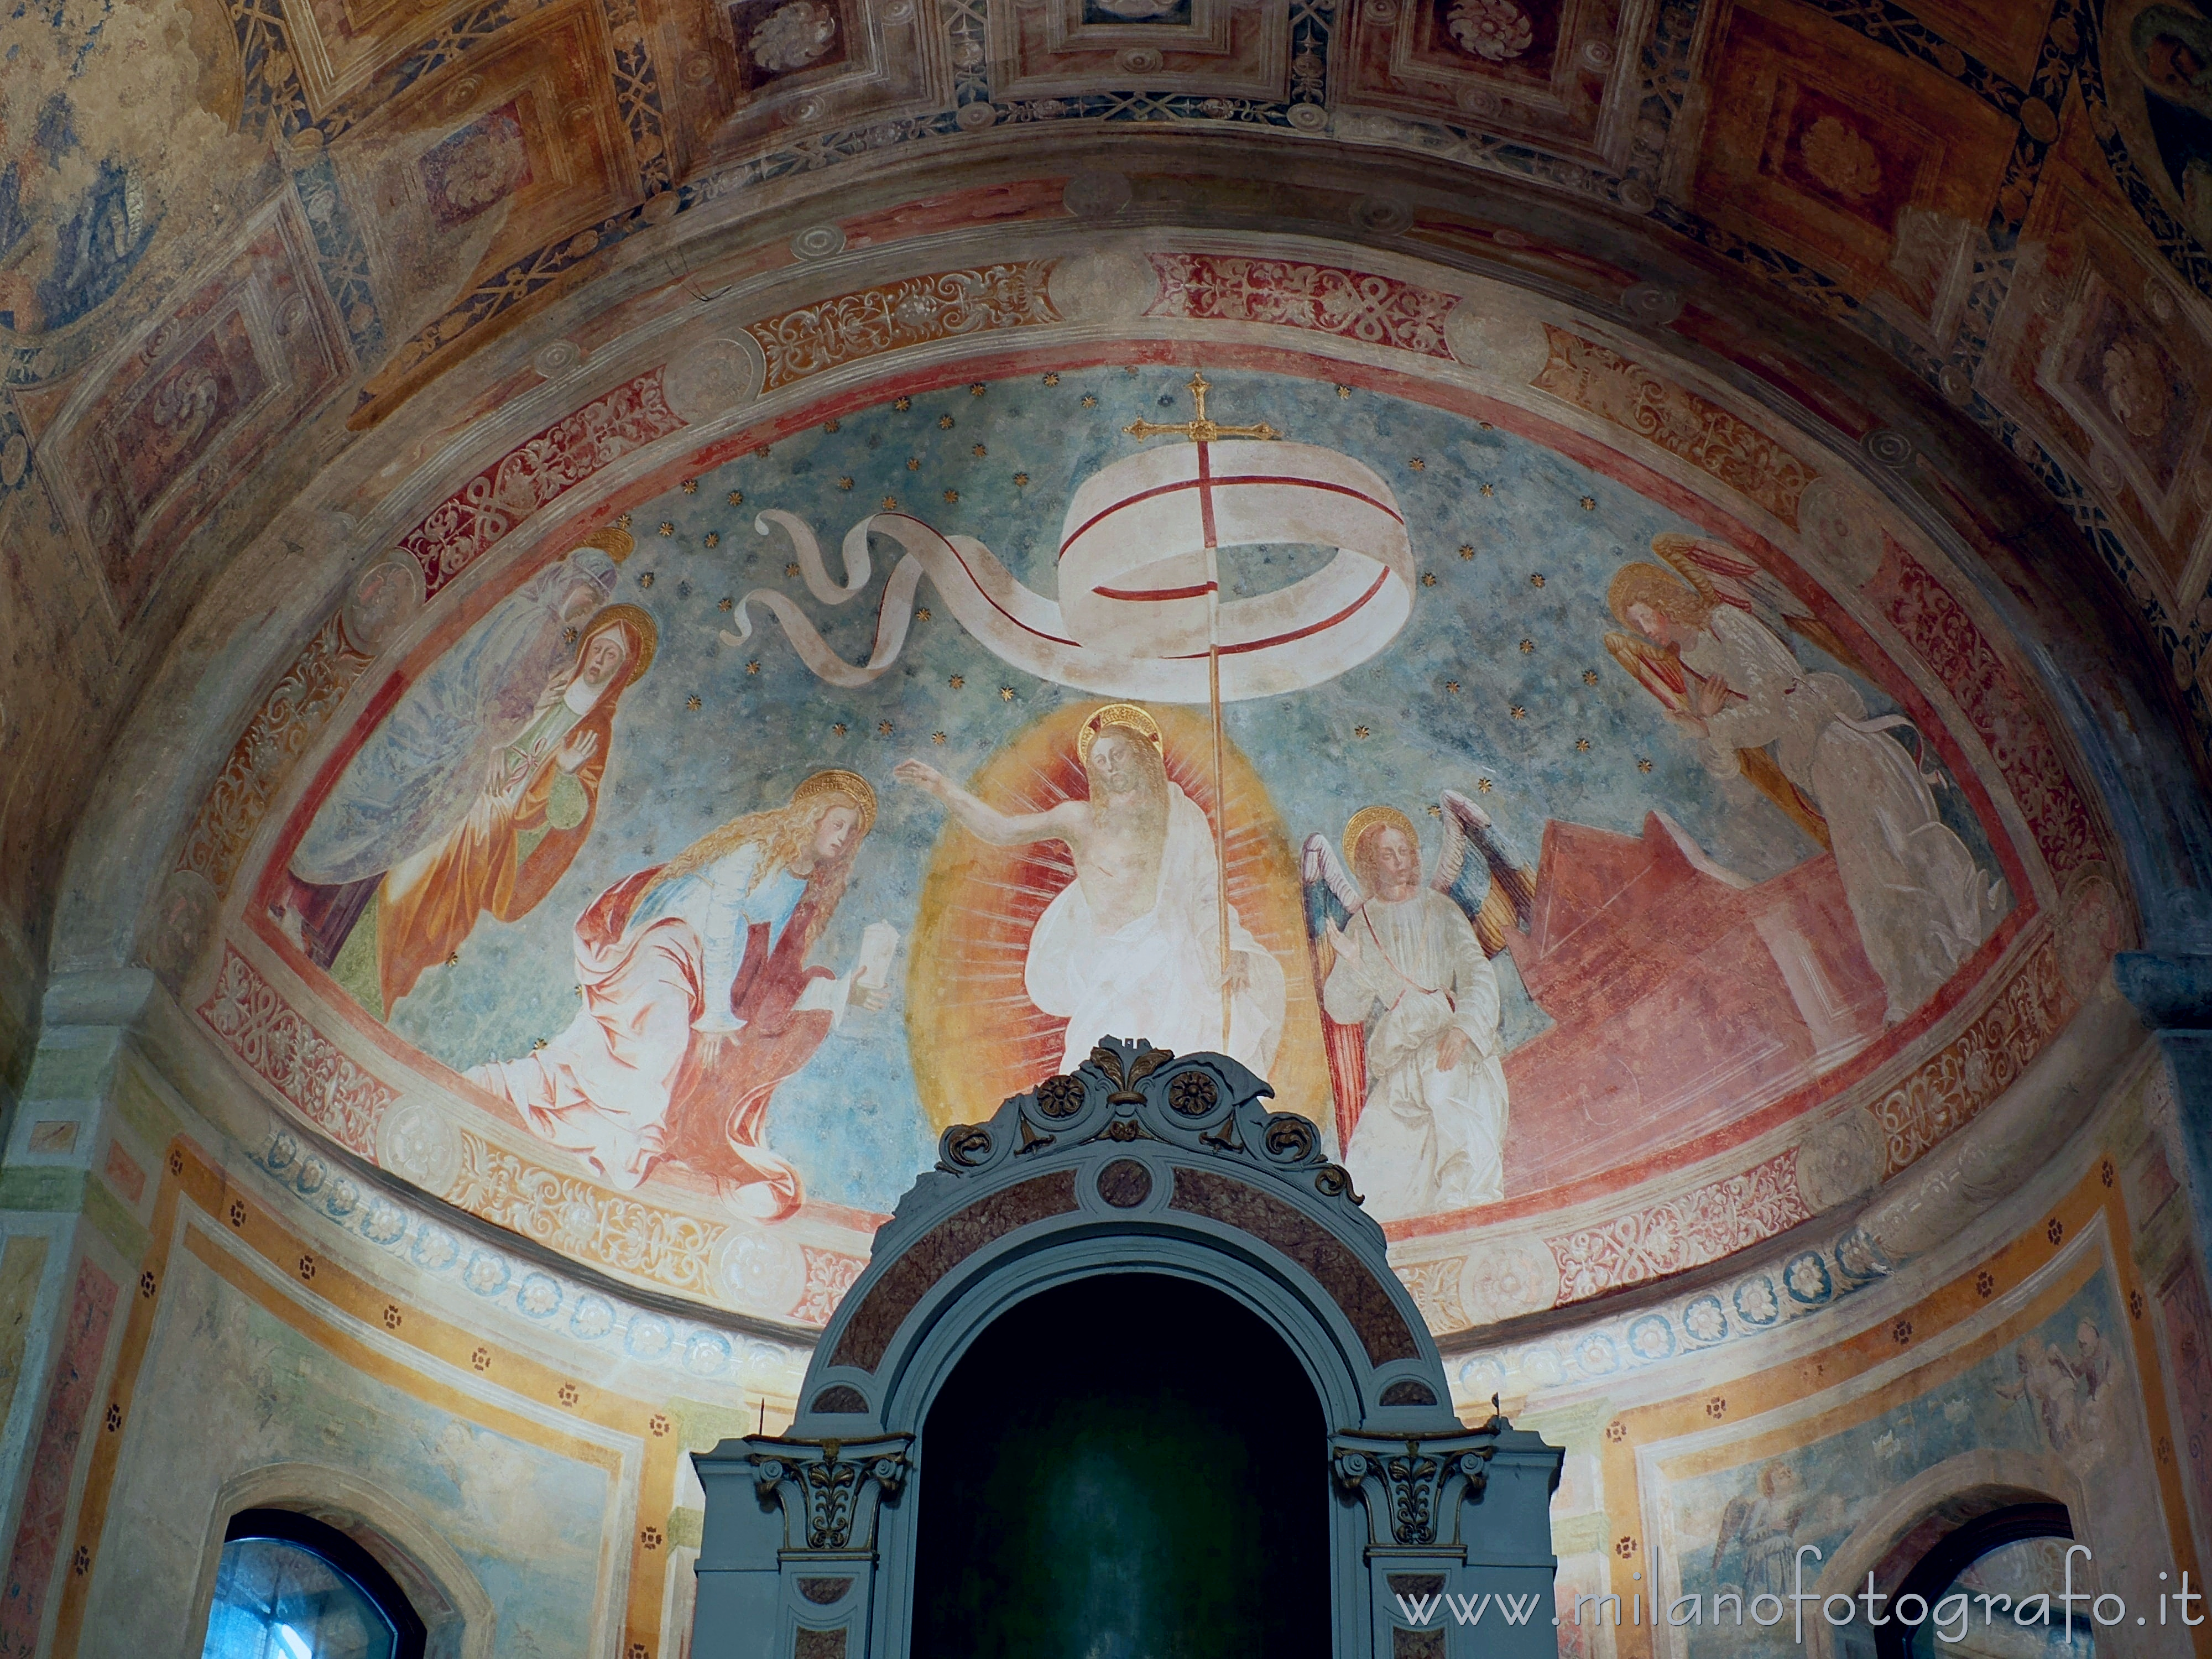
<point>2056,1386</point>
<point>2157,61</point>
<point>779,39</point>
<point>1553,820</point>
<point>108,137</point>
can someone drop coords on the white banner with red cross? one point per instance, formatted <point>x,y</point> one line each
<point>1139,606</point>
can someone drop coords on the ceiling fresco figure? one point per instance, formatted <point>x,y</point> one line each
<point>698,1000</point>
<point>1133,943</point>
<point>534,811</point>
<point>1412,1005</point>
<point>2173,48</point>
<point>1921,903</point>
<point>445,748</point>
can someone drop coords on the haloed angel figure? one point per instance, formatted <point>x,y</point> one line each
<point>1709,646</point>
<point>1410,1003</point>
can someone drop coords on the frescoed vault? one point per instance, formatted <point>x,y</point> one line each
<point>615,615</point>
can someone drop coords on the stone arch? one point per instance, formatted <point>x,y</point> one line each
<point>1141,1161</point>
<point>1911,1519</point>
<point>455,1609</point>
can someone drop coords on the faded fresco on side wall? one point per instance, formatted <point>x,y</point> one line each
<point>2063,1390</point>
<point>526,1521</point>
<point>1549,827</point>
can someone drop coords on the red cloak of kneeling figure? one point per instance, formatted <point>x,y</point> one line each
<point>698,1002</point>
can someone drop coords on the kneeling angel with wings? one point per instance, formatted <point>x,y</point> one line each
<point>1409,1002</point>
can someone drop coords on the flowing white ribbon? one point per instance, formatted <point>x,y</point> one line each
<point>1133,567</point>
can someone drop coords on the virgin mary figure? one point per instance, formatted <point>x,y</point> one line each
<point>424,767</point>
<point>532,813</point>
<point>698,1000</point>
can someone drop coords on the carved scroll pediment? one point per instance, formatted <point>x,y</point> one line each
<point>1130,1090</point>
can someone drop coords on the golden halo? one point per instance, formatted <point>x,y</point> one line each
<point>851,785</point>
<point>614,541</point>
<point>1117,713</point>
<point>1663,590</point>
<point>1367,820</point>
<point>641,624</point>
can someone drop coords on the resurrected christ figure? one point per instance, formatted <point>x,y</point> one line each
<point>1132,947</point>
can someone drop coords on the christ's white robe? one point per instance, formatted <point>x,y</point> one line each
<point>1427,1139</point>
<point>1158,976</point>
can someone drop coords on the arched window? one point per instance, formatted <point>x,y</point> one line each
<point>289,1587</point>
<point>1976,1593</point>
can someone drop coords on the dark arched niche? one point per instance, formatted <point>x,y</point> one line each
<point>1142,1164</point>
<point>1129,1481</point>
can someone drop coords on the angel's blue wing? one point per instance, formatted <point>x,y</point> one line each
<point>1478,871</point>
<point>1462,874</point>
<point>1330,895</point>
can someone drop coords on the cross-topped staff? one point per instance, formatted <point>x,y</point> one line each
<point>1203,430</point>
<point>1200,430</point>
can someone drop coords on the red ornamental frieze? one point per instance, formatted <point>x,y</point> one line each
<point>915,311</point>
<point>829,1275</point>
<point>1680,1233</point>
<point>1948,1090</point>
<point>290,717</point>
<point>282,1048</point>
<point>1945,637</point>
<point>1355,305</point>
<point>1694,429</point>
<point>537,473</point>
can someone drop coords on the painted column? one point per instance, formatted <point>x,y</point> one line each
<point>77,1175</point>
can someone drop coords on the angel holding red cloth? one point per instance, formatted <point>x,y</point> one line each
<point>1708,645</point>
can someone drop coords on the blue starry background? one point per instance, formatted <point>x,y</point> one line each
<point>999,461</point>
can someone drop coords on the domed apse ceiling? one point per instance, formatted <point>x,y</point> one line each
<point>671,882</point>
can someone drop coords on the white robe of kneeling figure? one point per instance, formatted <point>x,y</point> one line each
<point>1427,1139</point>
<point>1922,905</point>
<point>1158,976</point>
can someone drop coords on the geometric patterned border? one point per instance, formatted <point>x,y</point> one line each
<point>1945,637</point>
<point>1949,1089</point>
<point>290,717</point>
<point>537,473</point>
<point>1352,304</point>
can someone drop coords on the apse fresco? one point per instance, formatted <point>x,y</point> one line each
<point>739,850</point>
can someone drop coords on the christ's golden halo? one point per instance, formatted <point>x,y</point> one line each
<point>1118,714</point>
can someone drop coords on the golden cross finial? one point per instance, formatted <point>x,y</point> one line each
<point>1200,430</point>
